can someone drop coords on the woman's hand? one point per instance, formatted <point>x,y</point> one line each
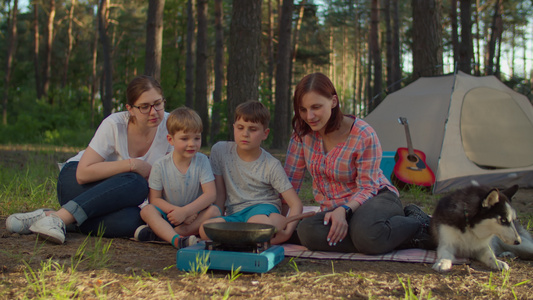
<point>140,166</point>
<point>339,225</point>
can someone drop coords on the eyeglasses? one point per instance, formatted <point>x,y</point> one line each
<point>146,108</point>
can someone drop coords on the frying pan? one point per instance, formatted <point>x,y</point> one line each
<point>241,233</point>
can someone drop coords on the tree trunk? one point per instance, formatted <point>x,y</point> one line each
<point>107,90</point>
<point>455,36</point>
<point>154,38</point>
<point>297,30</point>
<point>244,54</point>
<point>396,61</point>
<point>36,44</point>
<point>189,64</point>
<point>69,43</point>
<point>94,80</point>
<point>387,16</point>
<point>219,72</point>
<point>491,51</point>
<point>356,66</point>
<point>295,43</point>
<point>200,101</point>
<point>375,52</point>
<point>499,29</point>
<point>466,51</point>
<point>48,49</point>
<point>11,40</point>
<point>270,50</point>
<point>281,129</point>
<point>427,38</point>
<point>477,56</point>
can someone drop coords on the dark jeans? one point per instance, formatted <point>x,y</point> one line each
<point>376,227</point>
<point>112,202</point>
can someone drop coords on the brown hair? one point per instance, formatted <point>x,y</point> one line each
<point>253,111</point>
<point>322,85</point>
<point>184,119</point>
<point>139,85</point>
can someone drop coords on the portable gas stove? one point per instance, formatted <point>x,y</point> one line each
<point>259,258</point>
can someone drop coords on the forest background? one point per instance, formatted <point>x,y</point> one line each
<point>66,63</point>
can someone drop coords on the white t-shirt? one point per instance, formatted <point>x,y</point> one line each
<point>110,140</point>
<point>181,189</point>
<point>248,183</point>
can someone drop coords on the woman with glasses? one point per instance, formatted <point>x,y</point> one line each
<point>101,188</point>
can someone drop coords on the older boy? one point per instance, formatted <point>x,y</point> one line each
<point>248,179</point>
<point>182,186</point>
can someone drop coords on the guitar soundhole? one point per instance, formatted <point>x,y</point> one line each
<point>412,158</point>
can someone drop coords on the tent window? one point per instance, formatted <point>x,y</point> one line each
<point>495,131</point>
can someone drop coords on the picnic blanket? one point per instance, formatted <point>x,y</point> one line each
<point>405,255</point>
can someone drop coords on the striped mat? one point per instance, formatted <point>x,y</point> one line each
<point>405,255</point>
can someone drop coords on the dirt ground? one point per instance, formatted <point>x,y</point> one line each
<point>147,271</point>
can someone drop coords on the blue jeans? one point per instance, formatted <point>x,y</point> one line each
<point>376,227</point>
<point>112,202</point>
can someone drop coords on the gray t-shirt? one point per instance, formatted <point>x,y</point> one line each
<point>180,189</point>
<point>248,183</point>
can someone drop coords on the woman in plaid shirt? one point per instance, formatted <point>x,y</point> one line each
<point>360,209</point>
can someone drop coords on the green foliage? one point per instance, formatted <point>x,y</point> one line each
<point>200,266</point>
<point>67,121</point>
<point>234,274</point>
<point>52,280</point>
<point>292,263</point>
<point>98,256</point>
<point>17,188</point>
<point>28,180</point>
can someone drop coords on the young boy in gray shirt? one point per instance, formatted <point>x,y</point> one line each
<point>182,186</point>
<point>248,179</point>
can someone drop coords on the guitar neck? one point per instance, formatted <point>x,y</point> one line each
<point>408,137</point>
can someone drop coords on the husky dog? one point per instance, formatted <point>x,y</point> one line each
<point>465,222</point>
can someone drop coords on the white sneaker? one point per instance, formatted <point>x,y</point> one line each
<point>20,223</point>
<point>51,228</point>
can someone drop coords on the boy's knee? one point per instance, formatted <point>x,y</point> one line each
<point>213,211</point>
<point>148,210</point>
<point>259,219</point>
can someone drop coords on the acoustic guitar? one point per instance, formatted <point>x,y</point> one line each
<point>411,167</point>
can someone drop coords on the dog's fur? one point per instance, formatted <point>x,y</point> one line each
<point>466,221</point>
<point>523,251</point>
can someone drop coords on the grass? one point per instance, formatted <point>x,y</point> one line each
<point>200,266</point>
<point>98,256</point>
<point>89,272</point>
<point>29,185</point>
<point>52,280</point>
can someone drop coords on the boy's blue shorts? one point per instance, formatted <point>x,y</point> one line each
<point>247,213</point>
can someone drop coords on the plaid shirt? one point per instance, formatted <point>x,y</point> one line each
<point>350,171</point>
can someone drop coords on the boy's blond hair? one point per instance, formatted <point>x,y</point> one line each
<point>184,119</point>
<point>253,111</point>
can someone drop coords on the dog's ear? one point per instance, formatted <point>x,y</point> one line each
<point>509,192</point>
<point>491,199</point>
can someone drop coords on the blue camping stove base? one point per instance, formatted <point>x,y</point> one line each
<point>262,262</point>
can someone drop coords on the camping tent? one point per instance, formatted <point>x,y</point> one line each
<point>470,128</point>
